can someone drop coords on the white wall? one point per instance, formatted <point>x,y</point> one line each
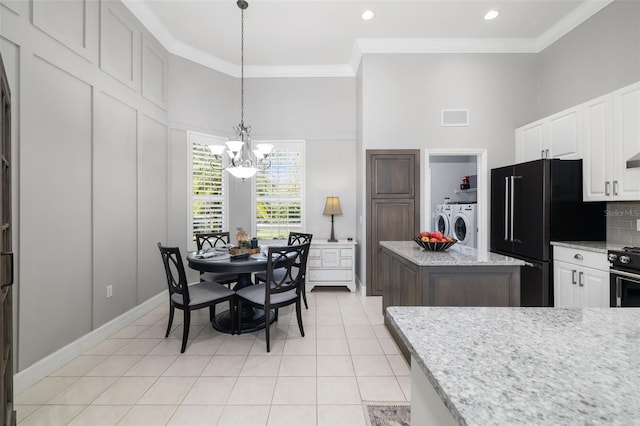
<point>320,111</point>
<point>597,57</point>
<point>403,95</point>
<point>90,145</point>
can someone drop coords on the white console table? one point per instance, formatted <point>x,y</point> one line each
<point>331,264</point>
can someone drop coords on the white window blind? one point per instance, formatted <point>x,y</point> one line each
<point>279,192</point>
<point>207,186</point>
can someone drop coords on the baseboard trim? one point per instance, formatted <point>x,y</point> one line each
<point>41,369</point>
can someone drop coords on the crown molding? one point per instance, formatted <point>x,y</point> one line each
<point>364,46</point>
<point>574,18</point>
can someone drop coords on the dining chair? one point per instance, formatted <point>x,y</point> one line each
<point>190,297</point>
<point>295,238</point>
<point>281,288</point>
<point>205,240</point>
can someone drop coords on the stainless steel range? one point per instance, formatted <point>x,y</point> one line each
<point>625,277</point>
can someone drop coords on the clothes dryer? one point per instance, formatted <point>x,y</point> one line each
<point>442,219</point>
<point>464,224</point>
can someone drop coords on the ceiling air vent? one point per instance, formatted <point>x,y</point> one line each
<point>455,117</point>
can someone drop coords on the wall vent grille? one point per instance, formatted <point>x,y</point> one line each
<point>455,117</point>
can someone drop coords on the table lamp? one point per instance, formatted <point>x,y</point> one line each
<point>332,207</point>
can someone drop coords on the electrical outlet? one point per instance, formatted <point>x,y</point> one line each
<point>637,224</point>
<point>109,291</point>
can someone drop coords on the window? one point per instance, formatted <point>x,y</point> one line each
<point>208,195</point>
<point>279,206</point>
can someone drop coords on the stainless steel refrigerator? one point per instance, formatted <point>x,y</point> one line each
<point>532,204</point>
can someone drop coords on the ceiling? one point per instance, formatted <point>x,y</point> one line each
<point>328,37</point>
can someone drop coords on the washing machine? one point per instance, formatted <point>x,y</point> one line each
<point>464,224</point>
<point>442,219</point>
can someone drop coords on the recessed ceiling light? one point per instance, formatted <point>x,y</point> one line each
<point>367,15</point>
<point>492,14</point>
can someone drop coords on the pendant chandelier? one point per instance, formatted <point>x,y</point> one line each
<point>244,161</point>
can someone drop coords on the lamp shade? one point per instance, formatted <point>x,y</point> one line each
<point>332,206</point>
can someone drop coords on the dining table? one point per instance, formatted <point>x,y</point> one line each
<point>253,319</point>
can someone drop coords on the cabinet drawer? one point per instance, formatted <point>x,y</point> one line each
<point>314,263</point>
<point>330,275</point>
<point>346,252</point>
<point>581,257</point>
<point>315,252</point>
<point>346,263</point>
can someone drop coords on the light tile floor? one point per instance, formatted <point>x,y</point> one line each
<point>137,377</point>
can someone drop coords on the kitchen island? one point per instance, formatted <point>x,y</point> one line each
<point>544,366</point>
<point>459,276</point>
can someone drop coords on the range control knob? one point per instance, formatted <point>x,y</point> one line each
<point>613,257</point>
<point>625,259</point>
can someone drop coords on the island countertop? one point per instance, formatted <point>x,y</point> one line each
<point>545,366</point>
<point>456,255</point>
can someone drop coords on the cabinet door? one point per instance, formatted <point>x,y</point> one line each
<point>626,137</point>
<point>594,288</point>
<point>532,141</point>
<point>598,146</point>
<point>565,134</point>
<point>564,282</point>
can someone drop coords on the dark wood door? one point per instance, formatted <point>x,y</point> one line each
<point>7,413</point>
<point>393,200</point>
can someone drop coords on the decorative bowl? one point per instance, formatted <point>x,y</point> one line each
<point>434,246</point>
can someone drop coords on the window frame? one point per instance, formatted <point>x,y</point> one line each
<point>191,244</point>
<point>303,205</point>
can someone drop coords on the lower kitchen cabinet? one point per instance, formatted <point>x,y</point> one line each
<point>577,285</point>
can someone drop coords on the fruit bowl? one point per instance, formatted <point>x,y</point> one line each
<point>434,246</point>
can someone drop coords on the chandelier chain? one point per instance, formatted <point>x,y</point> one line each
<point>242,68</point>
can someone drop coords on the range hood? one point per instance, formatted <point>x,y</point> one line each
<point>634,162</point>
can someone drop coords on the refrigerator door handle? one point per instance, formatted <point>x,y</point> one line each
<point>513,196</point>
<point>506,208</point>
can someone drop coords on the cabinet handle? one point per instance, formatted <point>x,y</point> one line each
<point>606,189</point>
<point>546,153</point>
<point>573,276</point>
<point>615,187</point>
<point>542,153</point>
<point>581,279</point>
<point>578,256</point>
<point>11,276</point>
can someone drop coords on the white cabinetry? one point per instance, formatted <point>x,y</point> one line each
<point>611,137</point>
<point>331,264</point>
<point>580,278</point>
<point>557,136</point>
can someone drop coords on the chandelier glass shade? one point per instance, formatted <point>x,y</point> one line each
<point>244,161</point>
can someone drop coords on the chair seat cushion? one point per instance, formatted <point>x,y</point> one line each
<point>203,292</point>
<point>222,277</point>
<point>256,294</point>
<point>278,274</point>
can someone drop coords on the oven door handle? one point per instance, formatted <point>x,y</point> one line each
<point>619,276</point>
<point>634,277</point>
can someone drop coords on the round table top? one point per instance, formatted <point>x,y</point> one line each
<point>224,263</point>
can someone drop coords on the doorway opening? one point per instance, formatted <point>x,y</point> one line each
<point>455,195</point>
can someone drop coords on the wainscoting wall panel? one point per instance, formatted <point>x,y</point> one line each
<point>84,136</point>
<point>68,21</point>
<point>114,208</point>
<point>55,210</point>
<point>154,73</point>
<point>119,45</point>
<point>152,206</point>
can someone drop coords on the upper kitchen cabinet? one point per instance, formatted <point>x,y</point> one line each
<point>557,136</point>
<point>611,138</point>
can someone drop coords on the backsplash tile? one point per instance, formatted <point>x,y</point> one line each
<point>621,223</point>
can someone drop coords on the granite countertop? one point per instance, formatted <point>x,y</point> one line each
<point>456,255</point>
<point>544,366</point>
<point>595,246</point>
